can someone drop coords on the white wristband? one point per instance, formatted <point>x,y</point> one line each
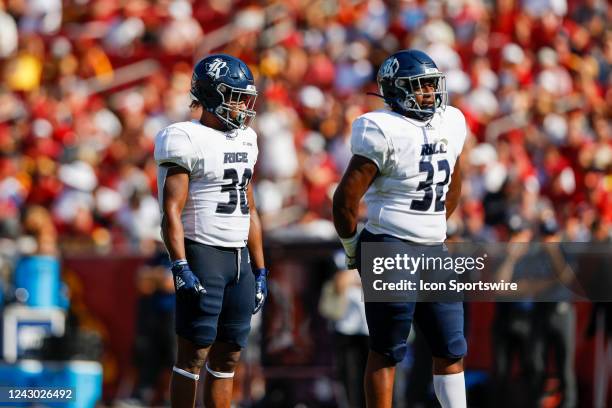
<point>350,244</point>
<point>179,262</point>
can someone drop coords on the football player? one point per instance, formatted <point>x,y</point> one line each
<point>406,162</point>
<point>208,221</point>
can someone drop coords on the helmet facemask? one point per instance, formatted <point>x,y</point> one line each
<point>413,86</point>
<point>237,108</point>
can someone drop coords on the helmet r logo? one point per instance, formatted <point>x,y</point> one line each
<point>389,68</point>
<point>217,68</point>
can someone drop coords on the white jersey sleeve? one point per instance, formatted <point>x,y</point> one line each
<point>173,145</point>
<point>369,141</point>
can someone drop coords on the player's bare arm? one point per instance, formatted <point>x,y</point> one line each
<point>255,246</point>
<point>454,189</point>
<point>358,177</point>
<point>255,242</point>
<point>176,187</point>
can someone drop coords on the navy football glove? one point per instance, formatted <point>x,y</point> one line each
<point>186,284</point>
<point>261,288</point>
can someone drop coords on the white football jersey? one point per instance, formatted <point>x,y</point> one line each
<point>220,166</point>
<point>415,161</point>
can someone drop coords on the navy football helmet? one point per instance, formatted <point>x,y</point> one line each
<point>224,86</point>
<point>403,76</point>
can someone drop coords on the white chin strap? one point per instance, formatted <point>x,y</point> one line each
<point>218,374</point>
<point>187,374</point>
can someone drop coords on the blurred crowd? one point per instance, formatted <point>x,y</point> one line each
<point>86,85</point>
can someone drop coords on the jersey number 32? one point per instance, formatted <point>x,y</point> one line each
<point>427,187</point>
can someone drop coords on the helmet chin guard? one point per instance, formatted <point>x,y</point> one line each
<point>412,87</point>
<point>237,109</point>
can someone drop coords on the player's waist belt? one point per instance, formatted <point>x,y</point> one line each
<point>220,248</point>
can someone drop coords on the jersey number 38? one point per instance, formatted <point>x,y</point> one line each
<point>236,189</point>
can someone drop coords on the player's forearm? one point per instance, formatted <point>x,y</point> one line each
<point>454,190</point>
<point>173,236</point>
<point>174,196</point>
<point>255,240</point>
<point>358,177</point>
<point>452,200</point>
<point>345,215</point>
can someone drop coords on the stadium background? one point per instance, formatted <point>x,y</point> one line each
<point>86,84</point>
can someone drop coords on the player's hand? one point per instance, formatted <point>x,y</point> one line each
<point>350,250</point>
<point>186,284</point>
<point>261,288</point>
<point>351,262</point>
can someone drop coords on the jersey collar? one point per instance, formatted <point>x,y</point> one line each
<point>229,134</point>
<point>430,124</point>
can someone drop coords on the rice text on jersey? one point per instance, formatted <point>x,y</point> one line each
<point>235,157</point>
<point>429,149</point>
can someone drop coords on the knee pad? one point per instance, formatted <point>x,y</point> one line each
<point>219,374</point>
<point>395,353</point>
<point>184,373</point>
<point>457,348</point>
